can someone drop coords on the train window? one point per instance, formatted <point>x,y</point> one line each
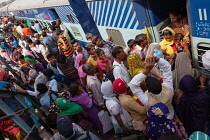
<point>69,16</point>
<point>76,33</point>
<point>116,37</point>
<point>201,49</point>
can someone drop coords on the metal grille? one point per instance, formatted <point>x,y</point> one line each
<point>202,48</point>
<point>116,36</point>
<point>76,33</point>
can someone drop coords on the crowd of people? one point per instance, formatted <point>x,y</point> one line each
<point>151,88</point>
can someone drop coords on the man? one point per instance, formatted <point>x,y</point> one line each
<point>142,42</point>
<point>93,82</point>
<point>66,66</point>
<point>101,45</point>
<point>25,31</point>
<point>78,49</point>
<point>157,92</point>
<point>64,45</point>
<point>51,44</point>
<point>52,63</point>
<point>37,27</point>
<point>16,54</point>
<point>64,29</point>
<point>66,131</point>
<point>120,71</point>
<point>47,31</point>
<point>24,51</point>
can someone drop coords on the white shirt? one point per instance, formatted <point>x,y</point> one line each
<point>167,81</point>
<point>120,71</point>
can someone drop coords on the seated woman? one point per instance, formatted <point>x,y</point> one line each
<point>192,105</point>
<point>78,95</point>
<point>75,113</point>
<point>121,119</point>
<point>158,122</point>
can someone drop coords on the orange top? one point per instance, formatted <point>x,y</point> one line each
<point>26,32</point>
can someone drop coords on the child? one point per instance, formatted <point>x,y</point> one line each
<point>178,40</point>
<point>104,64</point>
<point>93,59</point>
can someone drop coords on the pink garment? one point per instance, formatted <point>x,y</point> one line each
<point>102,65</point>
<point>80,71</point>
<point>78,59</point>
<point>26,52</point>
<point>82,100</point>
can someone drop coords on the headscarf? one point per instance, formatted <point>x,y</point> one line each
<point>206,59</point>
<point>193,106</point>
<point>158,122</point>
<point>107,90</point>
<point>135,64</point>
<point>120,86</point>
<point>182,67</point>
<point>82,100</point>
<point>67,107</point>
<point>151,48</point>
<point>166,46</point>
<point>78,59</point>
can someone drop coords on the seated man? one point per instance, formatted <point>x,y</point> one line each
<point>66,131</point>
<point>157,92</point>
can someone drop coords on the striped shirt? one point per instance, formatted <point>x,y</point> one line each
<point>67,52</point>
<point>69,70</point>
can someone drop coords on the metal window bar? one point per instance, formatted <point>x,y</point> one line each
<point>117,37</point>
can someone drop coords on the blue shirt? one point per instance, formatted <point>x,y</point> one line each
<point>37,27</point>
<point>50,42</point>
<point>15,43</point>
<point>45,100</point>
<point>55,70</point>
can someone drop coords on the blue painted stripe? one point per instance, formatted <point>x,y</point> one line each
<point>125,13</point>
<point>99,13</point>
<point>127,18</point>
<point>108,13</point>
<point>112,11</point>
<point>117,12</point>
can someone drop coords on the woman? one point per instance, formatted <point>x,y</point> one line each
<point>137,111</point>
<point>80,61</point>
<point>121,120</point>
<point>192,105</point>
<point>75,113</point>
<point>158,122</point>
<point>182,67</point>
<point>25,74</point>
<point>135,64</point>
<point>78,95</point>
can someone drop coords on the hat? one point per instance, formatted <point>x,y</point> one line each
<point>33,73</point>
<point>64,126</point>
<point>206,59</point>
<point>119,86</point>
<point>88,35</point>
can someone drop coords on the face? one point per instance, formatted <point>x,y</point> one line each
<point>92,69</point>
<point>52,60</point>
<point>158,53</point>
<point>83,60</point>
<point>22,61</point>
<point>99,43</point>
<point>178,42</point>
<point>61,35</point>
<point>168,38</point>
<point>92,50</point>
<point>79,91</point>
<point>76,46</point>
<point>19,49</point>
<point>173,18</point>
<point>102,55</point>
<point>121,55</point>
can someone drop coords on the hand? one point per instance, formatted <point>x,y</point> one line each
<point>88,88</point>
<point>149,64</point>
<point>109,38</point>
<point>203,80</point>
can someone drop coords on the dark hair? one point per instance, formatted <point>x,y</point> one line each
<point>52,27</point>
<point>170,136</point>
<point>51,120</point>
<point>167,32</point>
<point>178,36</point>
<point>57,27</point>
<point>89,46</point>
<point>49,56</point>
<point>44,34</point>
<point>37,42</point>
<point>29,40</point>
<point>22,26</point>
<point>73,89</point>
<point>58,32</point>
<point>21,57</point>
<point>94,39</point>
<point>98,51</point>
<point>61,59</point>
<point>110,76</point>
<point>36,21</point>
<point>73,41</point>
<point>130,43</point>
<point>48,72</point>
<point>44,28</point>
<point>140,38</point>
<point>41,88</point>
<point>154,86</point>
<point>116,50</point>
<point>11,38</point>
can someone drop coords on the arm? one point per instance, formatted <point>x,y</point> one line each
<point>60,71</point>
<point>167,73</point>
<point>84,80</point>
<point>53,85</point>
<point>133,105</point>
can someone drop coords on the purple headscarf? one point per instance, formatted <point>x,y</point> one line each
<point>193,106</point>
